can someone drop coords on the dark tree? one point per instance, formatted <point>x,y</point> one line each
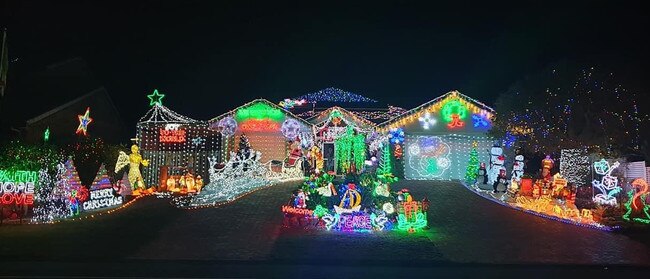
<point>568,107</point>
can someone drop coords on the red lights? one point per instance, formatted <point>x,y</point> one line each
<point>265,125</point>
<point>172,136</point>
<point>455,122</point>
<point>299,211</point>
<point>17,198</point>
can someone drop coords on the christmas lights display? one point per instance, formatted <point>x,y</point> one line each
<point>427,157</point>
<point>46,134</point>
<point>133,160</point>
<point>267,126</point>
<point>427,120</point>
<point>84,120</point>
<point>334,95</point>
<point>453,108</point>
<point>170,145</point>
<point>472,166</point>
<point>291,128</point>
<point>350,151</point>
<point>361,203</point>
<point>608,185</point>
<point>544,109</point>
<point>334,122</point>
<point>575,166</point>
<point>637,207</point>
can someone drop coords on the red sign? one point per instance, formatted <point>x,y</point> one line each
<point>293,210</point>
<point>265,125</point>
<point>17,193</point>
<point>172,136</point>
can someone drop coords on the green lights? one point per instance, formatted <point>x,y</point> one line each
<point>46,135</point>
<point>18,176</point>
<point>453,107</point>
<point>259,111</point>
<point>155,98</point>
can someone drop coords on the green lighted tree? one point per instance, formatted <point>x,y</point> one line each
<point>472,166</point>
<point>350,151</point>
<point>384,162</point>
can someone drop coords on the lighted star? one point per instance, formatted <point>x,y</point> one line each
<point>155,98</point>
<point>84,120</point>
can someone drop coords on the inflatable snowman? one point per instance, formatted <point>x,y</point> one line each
<point>497,161</point>
<point>517,169</point>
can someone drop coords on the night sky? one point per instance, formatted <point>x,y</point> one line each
<point>209,56</point>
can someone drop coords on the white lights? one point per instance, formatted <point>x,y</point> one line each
<point>427,120</point>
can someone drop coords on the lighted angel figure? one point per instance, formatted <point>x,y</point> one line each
<point>133,160</point>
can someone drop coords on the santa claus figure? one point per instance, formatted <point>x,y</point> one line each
<point>517,169</point>
<point>547,165</point>
<point>295,154</point>
<point>497,162</point>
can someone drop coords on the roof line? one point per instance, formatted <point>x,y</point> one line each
<point>368,122</point>
<point>219,117</point>
<point>441,97</point>
<point>64,106</point>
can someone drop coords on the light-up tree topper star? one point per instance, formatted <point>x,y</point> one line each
<point>155,98</point>
<point>84,120</point>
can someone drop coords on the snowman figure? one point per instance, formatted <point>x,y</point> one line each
<point>517,169</point>
<point>497,161</point>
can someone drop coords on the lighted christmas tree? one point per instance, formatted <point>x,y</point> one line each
<point>472,165</point>
<point>384,162</point>
<point>244,150</point>
<point>72,175</point>
<point>51,200</point>
<point>101,180</point>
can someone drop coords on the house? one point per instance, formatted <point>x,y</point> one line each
<point>270,129</point>
<point>61,123</point>
<point>438,137</point>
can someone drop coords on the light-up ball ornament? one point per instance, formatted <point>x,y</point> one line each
<point>227,126</point>
<point>388,208</point>
<point>290,128</point>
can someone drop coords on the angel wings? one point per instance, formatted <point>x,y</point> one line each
<point>122,161</point>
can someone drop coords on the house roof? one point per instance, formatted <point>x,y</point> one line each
<point>100,90</point>
<point>430,104</point>
<point>323,116</point>
<point>265,101</point>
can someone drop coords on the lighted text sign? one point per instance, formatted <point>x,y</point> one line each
<point>172,136</point>
<point>297,211</point>
<point>102,198</point>
<point>17,187</point>
<point>260,126</point>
